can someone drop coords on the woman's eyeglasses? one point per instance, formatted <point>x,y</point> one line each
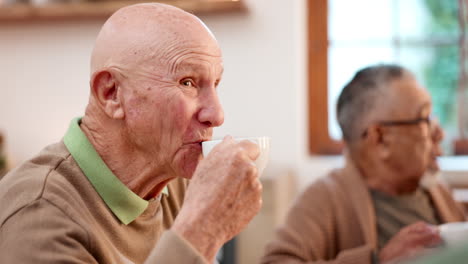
<point>403,123</point>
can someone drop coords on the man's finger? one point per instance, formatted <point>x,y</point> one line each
<point>252,149</point>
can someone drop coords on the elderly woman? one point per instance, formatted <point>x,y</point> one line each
<point>375,209</point>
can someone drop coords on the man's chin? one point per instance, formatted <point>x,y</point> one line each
<point>187,172</point>
<point>434,166</point>
<point>186,161</point>
<point>188,165</point>
<point>430,178</point>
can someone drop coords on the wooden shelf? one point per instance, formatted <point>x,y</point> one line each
<point>103,9</point>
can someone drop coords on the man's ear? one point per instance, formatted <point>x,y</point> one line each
<point>106,92</point>
<point>376,138</point>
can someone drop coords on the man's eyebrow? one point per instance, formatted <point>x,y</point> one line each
<point>194,67</point>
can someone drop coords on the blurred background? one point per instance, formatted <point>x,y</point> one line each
<point>285,63</point>
<point>423,35</point>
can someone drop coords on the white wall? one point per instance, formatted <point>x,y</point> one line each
<point>44,81</point>
<point>44,77</point>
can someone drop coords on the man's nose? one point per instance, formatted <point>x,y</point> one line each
<point>211,112</point>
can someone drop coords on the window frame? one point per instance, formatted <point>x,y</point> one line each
<point>320,141</point>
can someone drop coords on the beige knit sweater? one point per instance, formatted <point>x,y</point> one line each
<point>50,213</point>
<point>333,221</point>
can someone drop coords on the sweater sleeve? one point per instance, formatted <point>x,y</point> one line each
<point>172,248</point>
<point>41,233</point>
<point>309,234</point>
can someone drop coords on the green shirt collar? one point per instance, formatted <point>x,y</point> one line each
<point>124,203</point>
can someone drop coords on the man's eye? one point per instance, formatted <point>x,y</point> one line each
<point>187,82</point>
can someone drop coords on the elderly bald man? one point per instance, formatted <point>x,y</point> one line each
<point>376,209</point>
<point>114,190</point>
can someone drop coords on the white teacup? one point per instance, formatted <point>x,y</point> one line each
<point>262,142</point>
<point>454,233</point>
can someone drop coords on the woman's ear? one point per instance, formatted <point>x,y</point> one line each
<point>106,91</point>
<point>377,139</point>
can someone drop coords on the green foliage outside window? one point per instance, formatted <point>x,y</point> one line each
<point>442,73</point>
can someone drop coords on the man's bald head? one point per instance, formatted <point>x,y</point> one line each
<point>143,32</point>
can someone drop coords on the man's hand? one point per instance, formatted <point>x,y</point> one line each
<point>223,196</point>
<point>410,241</point>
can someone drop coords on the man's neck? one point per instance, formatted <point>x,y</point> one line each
<point>143,177</point>
<point>382,178</point>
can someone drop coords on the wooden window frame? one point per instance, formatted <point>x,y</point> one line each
<point>320,141</point>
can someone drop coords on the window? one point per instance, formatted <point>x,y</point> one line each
<point>426,36</point>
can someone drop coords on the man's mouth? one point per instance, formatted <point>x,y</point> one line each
<point>195,143</point>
